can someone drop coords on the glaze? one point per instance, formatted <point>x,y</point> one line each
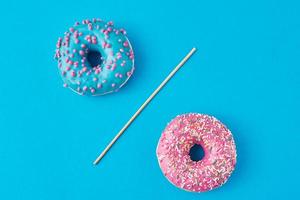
<point>178,138</point>
<point>94,57</point>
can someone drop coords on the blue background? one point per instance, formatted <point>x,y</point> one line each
<point>245,73</point>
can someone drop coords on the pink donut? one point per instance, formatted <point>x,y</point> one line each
<point>173,149</point>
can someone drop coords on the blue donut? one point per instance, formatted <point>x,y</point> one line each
<point>94,58</point>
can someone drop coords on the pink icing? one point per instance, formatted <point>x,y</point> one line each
<point>173,148</point>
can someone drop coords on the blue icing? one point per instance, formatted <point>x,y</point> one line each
<point>90,42</point>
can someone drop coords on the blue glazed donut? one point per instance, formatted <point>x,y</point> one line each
<point>94,58</point>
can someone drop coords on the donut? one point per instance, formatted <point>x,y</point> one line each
<point>94,58</point>
<point>174,145</point>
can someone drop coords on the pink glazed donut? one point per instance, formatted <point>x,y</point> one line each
<point>180,135</point>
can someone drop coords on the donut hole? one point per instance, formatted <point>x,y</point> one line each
<point>94,58</point>
<point>196,152</point>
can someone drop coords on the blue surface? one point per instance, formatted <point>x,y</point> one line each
<point>246,73</point>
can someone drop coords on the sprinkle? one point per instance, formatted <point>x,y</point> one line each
<point>123,31</point>
<point>90,26</point>
<point>99,85</point>
<point>113,67</point>
<point>97,71</point>
<point>73,73</point>
<point>105,32</point>
<point>119,55</point>
<point>84,69</point>
<point>125,44</point>
<point>81,52</point>
<point>180,135</point>
<point>72,50</point>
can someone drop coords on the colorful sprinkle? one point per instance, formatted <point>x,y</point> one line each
<point>173,149</point>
